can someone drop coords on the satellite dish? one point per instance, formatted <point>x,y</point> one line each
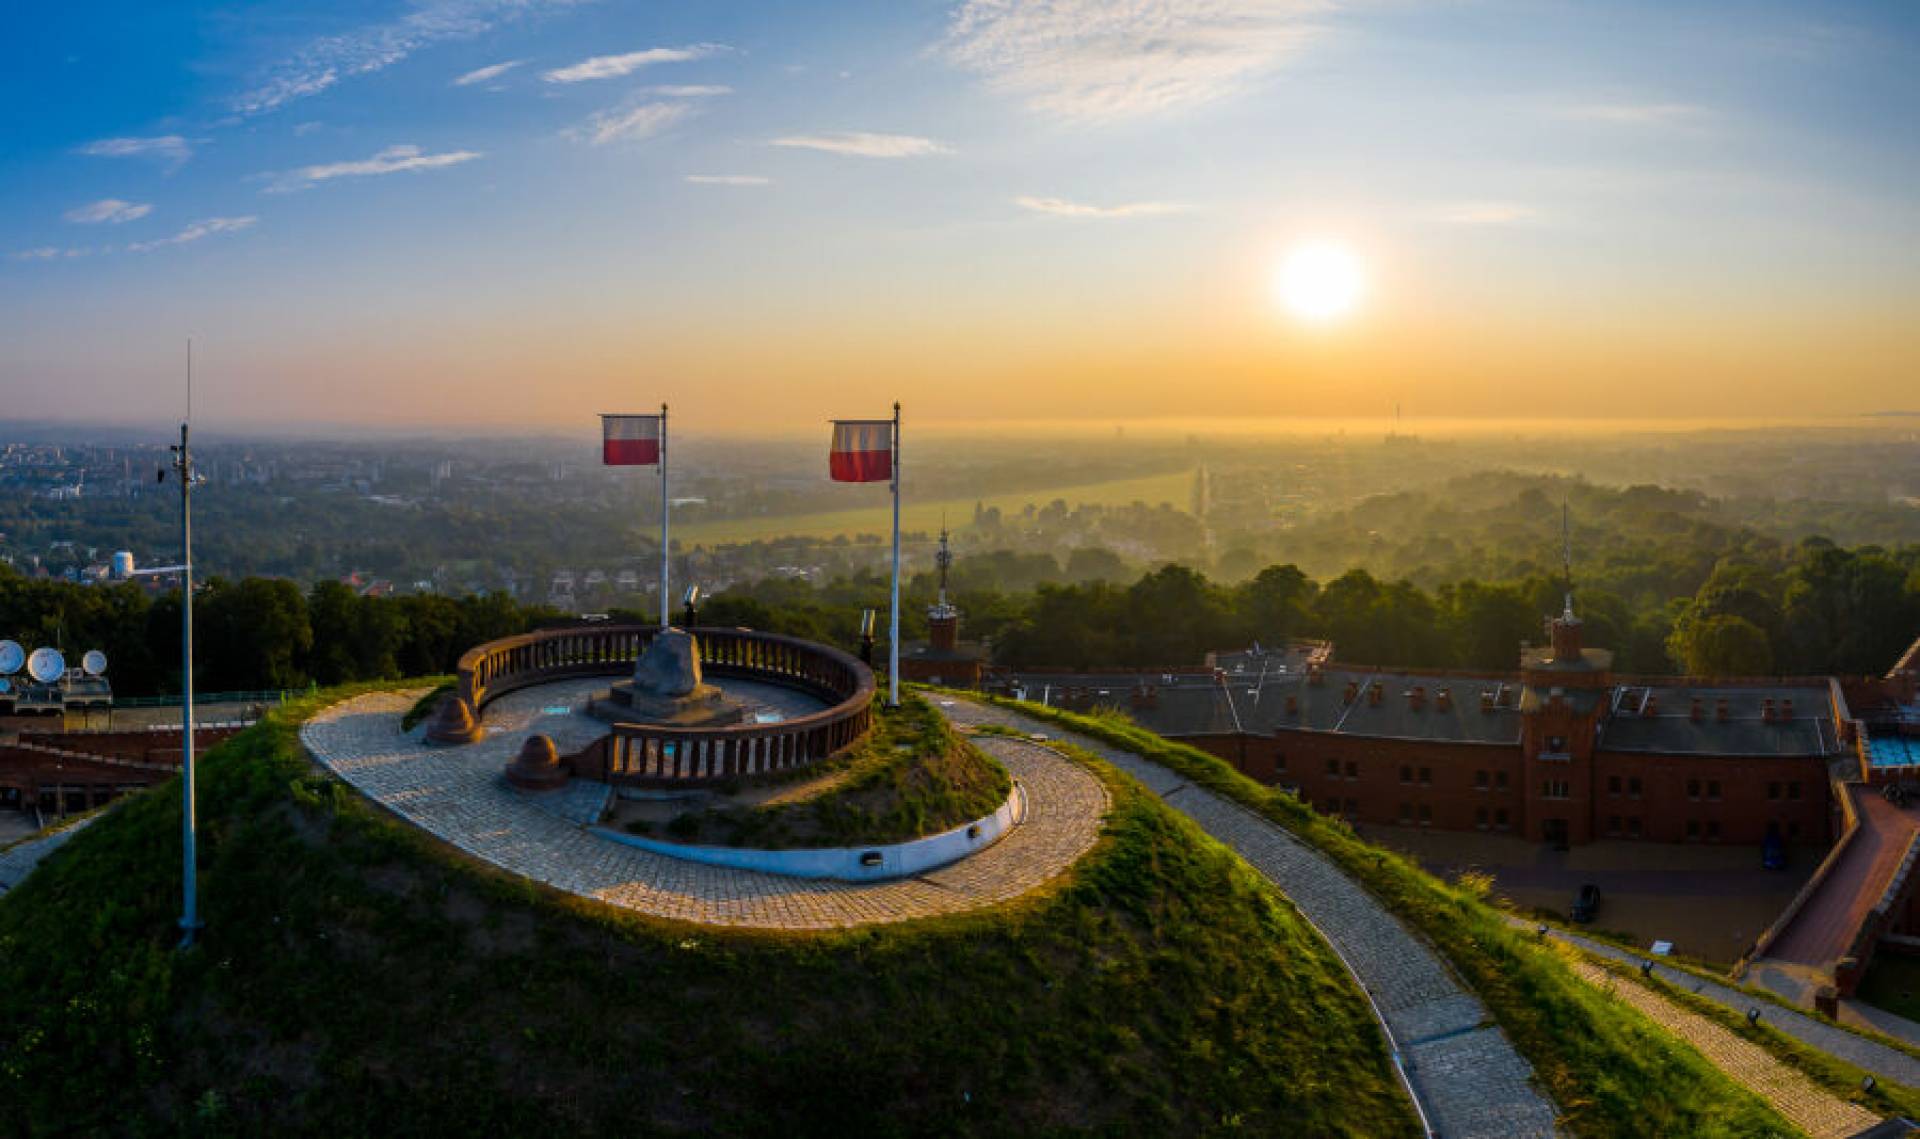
<point>95,662</point>
<point>46,665</point>
<point>12,656</point>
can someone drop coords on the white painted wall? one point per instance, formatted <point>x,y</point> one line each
<point>900,860</point>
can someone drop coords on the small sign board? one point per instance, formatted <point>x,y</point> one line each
<point>1661,948</point>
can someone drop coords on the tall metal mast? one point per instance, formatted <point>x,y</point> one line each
<point>190,923</point>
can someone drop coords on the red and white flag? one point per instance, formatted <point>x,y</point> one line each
<point>862,450</point>
<point>630,440</point>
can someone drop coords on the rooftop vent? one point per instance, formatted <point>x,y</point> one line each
<point>1786,709</point>
<point>1766,710</point>
<point>1376,692</point>
<point>1694,713</point>
<point>1720,711</point>
<point>1352,693</point>
<point>1417,697</point>
<point>1486,701</point>
<point>1652,707</point>
<point>1445,699</point>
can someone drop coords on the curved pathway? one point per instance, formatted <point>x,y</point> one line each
<point>19,860</point>
<point>458,795</point>
<point>1468,1078</point>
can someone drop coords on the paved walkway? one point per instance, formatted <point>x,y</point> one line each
<point>1818,1112</point>
<point>1883,1061</point>
<point>458,795</point>
<point>19,861</point>
<point>1824,929</point>
<point>1468,1078</point>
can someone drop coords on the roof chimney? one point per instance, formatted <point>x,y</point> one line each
<point>1786,709</point>
<point>1720,711</point>
<point>1651,707</point>
<point>1486,701</point>
<point>1766,710</point>
<point>1375,692</point>
<point>1352,693</point>
<point>1316,676</point>
<point>1417,697</point>
<point>1695,713</point>
<point>1445,699</point>
<point>1293,704</point>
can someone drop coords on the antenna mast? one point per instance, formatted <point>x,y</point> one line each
<point>1566,555</point>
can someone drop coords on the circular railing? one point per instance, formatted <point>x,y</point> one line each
<point>655,754</point>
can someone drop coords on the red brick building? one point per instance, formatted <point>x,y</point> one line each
<point>1564,751</point>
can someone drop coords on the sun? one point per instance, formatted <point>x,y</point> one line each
<point>1319,280</point>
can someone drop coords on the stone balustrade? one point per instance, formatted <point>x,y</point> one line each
<point>663,755</point>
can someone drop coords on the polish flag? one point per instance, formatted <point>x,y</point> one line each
<point>862,450</point>
<point>631,440</point>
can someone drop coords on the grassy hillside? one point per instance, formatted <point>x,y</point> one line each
<point>1612,1071</point>
<point>355,978</point>
<point>913,776</point>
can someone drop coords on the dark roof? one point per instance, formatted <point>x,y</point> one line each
<point>1182,704</point>
<point>1324,707</point>
<point>1673,731</point>
<point>964,651</point>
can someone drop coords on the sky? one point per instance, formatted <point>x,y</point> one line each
<point>514,214</point>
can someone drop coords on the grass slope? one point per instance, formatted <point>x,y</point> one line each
<point>356,978</point>
<point>913,776</point>
<point>1612,1071</point>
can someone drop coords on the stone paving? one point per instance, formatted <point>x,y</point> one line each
<point>18,861</point>
<point>1883,1061</point>
<point>1819,1113</point>
<point>1468,1077</point>
<point>458,795</point>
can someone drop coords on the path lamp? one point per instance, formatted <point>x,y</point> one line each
<point>1753,1015</point>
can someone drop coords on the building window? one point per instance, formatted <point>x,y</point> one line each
<point>1773,790</point>
<point>1332,807</point>
<point>1353,770</point>
<point>1479,818</point>
<point>1500,819</point>
<point>1426,777</point>
<point>1406,775</point>
<point>1713,830</point>
<point>1793,830</point>
<point>1633,787</point>
<point>1353,809</point>
<point>1553,789</point>
<point>1713,790</point>
<point>1613,785</point>
<point>1426,815</point>
<point>1479,781</point>
<point>1613,826</point>
<point>1793,790</point>
<point>1693,830</point>
<point>1633,827</point>
<point>1406,813</point>
<point>1279,763</point>
<point>1693,790</point>
<point>1333,767</point>
<point>1500,781</point>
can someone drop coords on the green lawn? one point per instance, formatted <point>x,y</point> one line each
<point>358,978</point>
<point>1176,488</point>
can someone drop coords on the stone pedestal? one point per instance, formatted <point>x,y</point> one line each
<point>538,766</point>
<point>453,722</point>
<point>667,688</point>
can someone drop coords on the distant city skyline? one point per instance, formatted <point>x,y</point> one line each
<point>513,214</point>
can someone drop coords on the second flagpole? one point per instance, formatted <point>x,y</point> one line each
<point>893,629</point>
<point>665,504</point>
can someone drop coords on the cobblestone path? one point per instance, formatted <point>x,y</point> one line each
<point>458,795</point>
<point>1818,1112</point>
<point>1468,1078</point>
<point>1883,1061</point>
<point>16,862</point>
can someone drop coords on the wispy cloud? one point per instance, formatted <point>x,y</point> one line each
<point>1060,207</point>
<point>39,253</point>
<point>482,74</point>
<point>1486,213</point>
<point>865,144</point>
<point>392,160</point>
<point>108,210</point>
<point>629,124</point>
<point>1638,113</point>
<point>729,180</point>
<point>327,60</point>
<point>204,228</point>
<point>170,148</point>
<point>1094,59</point>
<point>689,90</point>
<point>614,66</point>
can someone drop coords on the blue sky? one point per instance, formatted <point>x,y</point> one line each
<point>510,212</point>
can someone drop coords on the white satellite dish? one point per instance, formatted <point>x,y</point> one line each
<point>95,662</point>
<point>12,656</point>
<point>46,665</point>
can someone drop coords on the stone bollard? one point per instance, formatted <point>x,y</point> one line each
<point>454,723</point>
<point>538,766</point>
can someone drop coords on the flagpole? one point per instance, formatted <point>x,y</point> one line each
<point>665,601</point>
<point>893,628</point>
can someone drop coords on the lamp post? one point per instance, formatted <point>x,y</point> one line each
<point>190,922</point>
